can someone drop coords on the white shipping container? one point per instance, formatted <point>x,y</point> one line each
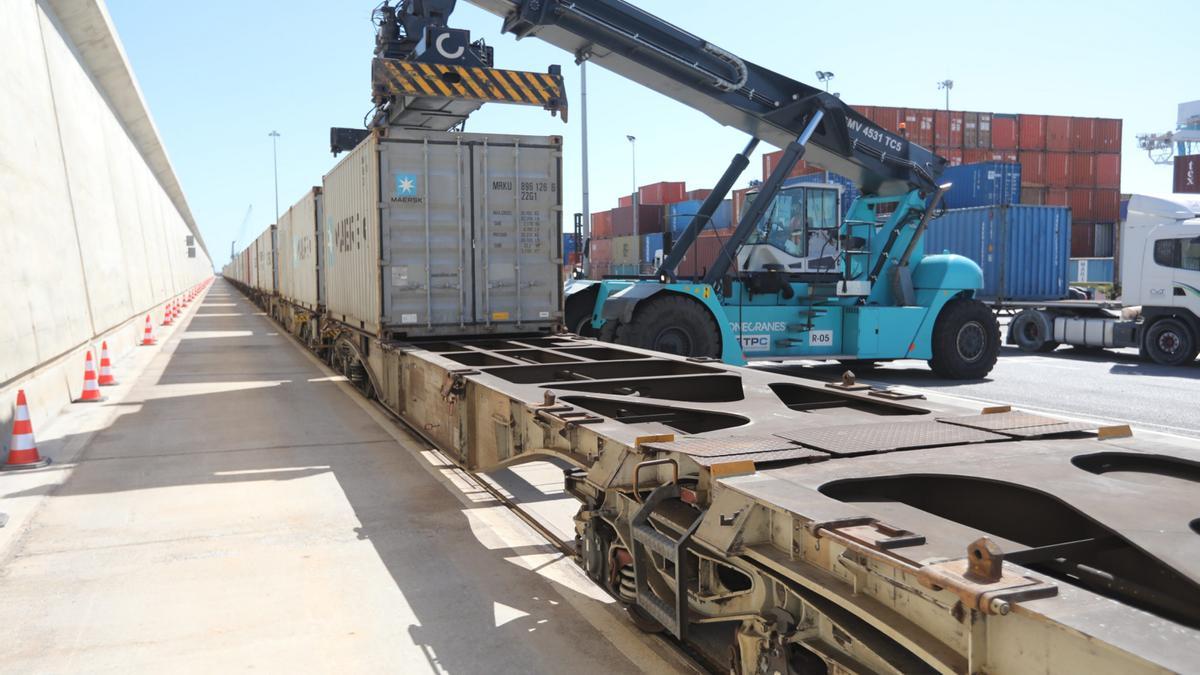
<point>264,262</point>
<point>299,251</point>
<point>437,233</point>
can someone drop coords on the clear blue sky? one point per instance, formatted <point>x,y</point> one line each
<point>219,75</point>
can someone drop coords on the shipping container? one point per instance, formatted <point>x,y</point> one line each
<point>1058,133</point>
<point>771,159</point>
<point>679,216</point>
<point>1083,240</point>
<point>701,254</point>
<point>1057,197</point>
<point>649,219</point>
<point>1106,204</point>
<point>1083,169</point>
<point>625,201</point>
<point>987,184</point>
<point>698,195</point>
<point>847,190</point>
<point>977,130</point>
<point>299,241</point>
<point>602,225</point>
<point>266,271</point>
<point>1058,169</point>
<point>601,251</point>
<point>948,129</point>
<point>1104,240</point>
<point>888,118</point>
<point>1004,132</point>
<point>1033,196</point>
<point>1022,250</point>
<point>1083,134</point>
<point>1108,135</point>
<point>437,233</point>
<point>652,245</point>
<point>1108,170</point>
<point>626,250</point>
<point>662,193</point>
<point>569,244</point>
<point>1031,132</point>
<point>1033,167</point>
<point>1091,270</point>
<point>919,123</point>
<point>1080,200</point>
<point>954,156</point>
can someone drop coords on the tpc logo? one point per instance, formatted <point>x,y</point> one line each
<point>406,189</point>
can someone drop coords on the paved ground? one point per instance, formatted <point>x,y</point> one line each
<point>234,507</point>
<point>1112,385</point>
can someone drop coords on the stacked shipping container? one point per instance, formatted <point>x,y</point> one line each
<point>1065,161</point>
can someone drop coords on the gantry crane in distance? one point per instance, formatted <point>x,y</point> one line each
<point>793,280</point>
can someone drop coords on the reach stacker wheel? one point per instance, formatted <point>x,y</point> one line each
<point>674,324</point>
<point>966,340</point>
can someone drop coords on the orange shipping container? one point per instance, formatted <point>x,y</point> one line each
<point>1083,134</point>
<point>1106,205</point>
<point>1033,167</point>
<point>918,123</point>
<point>948,129</point>
<point>1057,197</point>
<point>1080,201</point>
<point>889,118</point>
<point>602,225</point>
<point>601,251</point>
<point>662,193</point>
<point>1058,169</point>
<point>1083,170</point>
<point>954,156</point>
<point>625,201</point>
<point>1108,135</point>
<point>1058,133</point>
<point>1004,132</point>
<point>1108,170</point>
<point>771,159</point>
<point>1031,132</point>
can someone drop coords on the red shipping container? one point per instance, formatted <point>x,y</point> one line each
<point>1004,132</point>
<point>864,110</point>
<point>1083,239</point>
<point>1083,134</point>
<point>1108,170</point>
<point>1057,197</point>
<point>948,129</point>
<point>970,131</point>
<point>1033,167</point>
<point>985,130</point>
<point>1108,135</point>
<point>699,195</point>
<point>1033,196</point>
<point>625,201</point>
<point>1031,132</point>
<point>739,201</point>
<point>702,253</point>
<point>954,156</point>
<point>977,155</point>
<point>602,225</point>
<point>1058,169</point>
<point>601,250</point>
<point>1058,133</point>
<point>889,118</point>
<point>771,159</point>
<point>1080,201</point>
<point>918,125</point>
<point>1083,170</point>
<point>650,219</point>
<point>1106,205</point>
<point>662,193</point>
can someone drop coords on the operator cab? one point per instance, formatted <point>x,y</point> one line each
<point>799,234</point>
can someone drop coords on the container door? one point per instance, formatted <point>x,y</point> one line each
<point>426,234</point>
<point>519,211</point>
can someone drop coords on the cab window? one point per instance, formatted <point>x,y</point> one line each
<point>783,225</point>
<point>1182,253</point>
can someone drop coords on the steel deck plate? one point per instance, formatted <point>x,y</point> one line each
<point>745,447</point>
<point>1018,424</point>
<point>856,439</point>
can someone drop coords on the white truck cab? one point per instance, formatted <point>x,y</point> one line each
<point>1160,273</point>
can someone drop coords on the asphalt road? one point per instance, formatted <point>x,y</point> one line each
<point>1109,385</point>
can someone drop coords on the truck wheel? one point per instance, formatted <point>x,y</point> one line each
<point>1170,342</point>
<point>578,314</point>
<point>966,341</point>
<point>1033,331</point>
<point>673,324</point>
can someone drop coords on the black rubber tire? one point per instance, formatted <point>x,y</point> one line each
<point>1170,342</point>
<point>578,314</point>
<point>674,324</point>
<point>966,341</point>
<point>1032,331</point>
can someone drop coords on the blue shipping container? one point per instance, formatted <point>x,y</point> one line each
<point>679,216</point>
<point>1091,270</point>
<point>850,191</point>
<point>568,246</point>
<point>983,184</point>
<point>651,244</point>
<point>1023,250</point>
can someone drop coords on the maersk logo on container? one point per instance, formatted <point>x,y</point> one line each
<point>406,189</point>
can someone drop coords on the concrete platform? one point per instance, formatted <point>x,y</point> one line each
<point>235,505</point>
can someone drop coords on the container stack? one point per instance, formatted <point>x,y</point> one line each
<point>1064,161</point>
<point>617,250</point>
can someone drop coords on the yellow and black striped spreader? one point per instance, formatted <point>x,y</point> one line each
<point>394,78</point>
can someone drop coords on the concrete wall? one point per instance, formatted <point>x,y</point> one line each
<point>93,223</point>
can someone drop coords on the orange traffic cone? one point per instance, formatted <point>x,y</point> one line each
<point>23,452</point>
<point>148,335</point>
<point>91,389</point>
<point>106,378</point>
<point>167,315</point>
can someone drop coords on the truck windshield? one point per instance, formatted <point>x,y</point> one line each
<point>792,214</point>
